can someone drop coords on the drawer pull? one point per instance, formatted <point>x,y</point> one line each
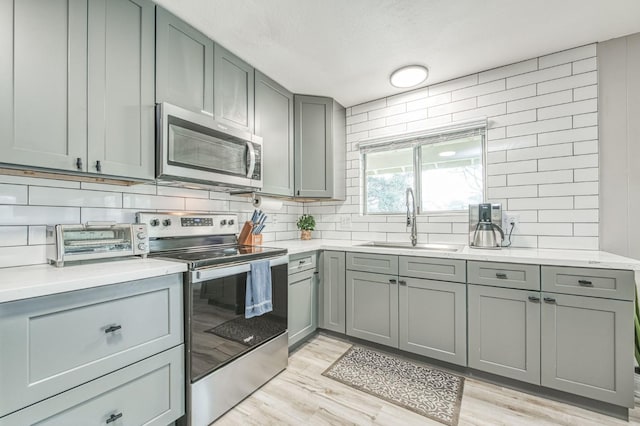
<point>392,281</point>
<point>302,262</point>
<point>112,418</point>
<point>112,329</point>
<point>402,282</point>
<point>501,275</point>
<point>585,283</point>
<point>550,300</point>
<point>534,299</point>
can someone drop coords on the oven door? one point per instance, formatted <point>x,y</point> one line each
<point>217,330</point>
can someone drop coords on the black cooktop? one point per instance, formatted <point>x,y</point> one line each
<point>201,257</point>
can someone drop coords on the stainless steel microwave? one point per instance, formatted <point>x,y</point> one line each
<point>194,149</point>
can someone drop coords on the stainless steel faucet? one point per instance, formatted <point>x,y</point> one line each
<point>411,217</point>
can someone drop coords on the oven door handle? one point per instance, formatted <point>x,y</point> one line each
<point>226,271</point>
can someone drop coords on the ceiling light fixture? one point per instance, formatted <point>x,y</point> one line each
<point>447,154</point>
<point>409,76</point>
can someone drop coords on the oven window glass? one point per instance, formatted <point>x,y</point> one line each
<point>220,332</point>
<point>84,241</point>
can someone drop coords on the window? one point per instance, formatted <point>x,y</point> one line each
<point>445,169</point>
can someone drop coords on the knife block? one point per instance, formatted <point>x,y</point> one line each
<point>247,238</point>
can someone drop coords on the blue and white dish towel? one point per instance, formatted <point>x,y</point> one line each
<point>258,298</point>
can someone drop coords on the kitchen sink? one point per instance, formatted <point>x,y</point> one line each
<point>451,248</point>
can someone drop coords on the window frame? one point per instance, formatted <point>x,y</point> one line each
<point>415,141</point>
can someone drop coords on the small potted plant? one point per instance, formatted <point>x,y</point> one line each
<point>306,224</point>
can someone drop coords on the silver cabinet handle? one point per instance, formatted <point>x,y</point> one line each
<point>402,282</point>
<point>585,283</point>
<point>112,329</point>
<point>501,275</point>
<point>534,299</point>
<point>302,262</point>
<point>549,300</point>
<point>392,281</point>
<point>112,418</point>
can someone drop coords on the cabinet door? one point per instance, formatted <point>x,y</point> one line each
<point>433,319</point>
<point>313,146</point>
<point>587,347</point>
<point>504,332</point>
<point>372,307</point>
<point>302,317</point>
<point>121,88</point>
<point>274,123</point>
<point>333,291</point>
<point>43,80</point>
<point>233,81</point>
<point>184,64</point>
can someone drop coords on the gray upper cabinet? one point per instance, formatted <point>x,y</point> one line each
<point>184,64</point>
<point>76,86</point>
<point>333,291</point>
<point>43,81</point>
<point>372,307</point>
<point>320,148</point>
<point>587,347</point>
<point>274,123</point>
<point>121,110</point>
<point>504,332</point>
<point>233,90</point>
<point>433,319</point>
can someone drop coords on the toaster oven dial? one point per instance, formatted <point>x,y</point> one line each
<point>231,222</point>
<point>166,222</point>
<point>154,222</point>
<point>142,246</point>
<point>142,235</point>
<point>223,222</point>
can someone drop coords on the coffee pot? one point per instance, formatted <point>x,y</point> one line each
<point>484,231</point>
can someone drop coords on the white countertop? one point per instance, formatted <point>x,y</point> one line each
<point>24,282</point>
<point>577,258</point>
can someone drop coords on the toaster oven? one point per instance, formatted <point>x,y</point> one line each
<point>95,240</point>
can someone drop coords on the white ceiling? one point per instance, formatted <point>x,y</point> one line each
<point>346,49</point>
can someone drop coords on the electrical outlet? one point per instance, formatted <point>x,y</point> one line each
<point>345,222</point>
<point>274,219</point>
<point>507,220</point>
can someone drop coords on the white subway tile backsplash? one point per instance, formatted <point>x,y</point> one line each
<point>512,143</point>
<point>108,215</point>
<point>538,76</point>
<point>414,115</point>
<point>38,215</point>
<point>496,180</point>
<point>429,102</point>
<point>478,90</point>
<point>512,167</point>
<point>496,157</point>
<point>586,202</point>
<point>451,85</point>
<point>197,204</point>
<point>570,243</point>
<point>513,191</point>
<point>368,106</point>
<point>584,65</point>
<point>566,56</point>
<point>586,92</point>
<point>546,228</point>
<point>540,101</point>
<point>539,126</point>
<point>586,147</point>
<point>507,95</point>
<point>565,83</point>
<point>585,120</point>
<point>13,194</point>
<point>386,112</point>
<point>368,125</point>
<point>497,133</point>
<point>586,175</point>
<point>407,97</point>
<point>573,162</point>
<point>488,111</point>
<point>171,191</point>
<point>429,123</point>
<point>573,108</point>
<point>579,188</point>
<point>585,229</point>
<point>358,118</point>
<point>573,135</point>
<point>574,216</point>
<point>560,150</point>
<point>508,70</point>
<point>47,196</point>
<point>558,176</point>
<point>153,202</point>
<point>540,203</point>
<point>511,119</point>
<point>452,107</point>
<point>37,235</point>
<point>13,236</point>
<point>389,130</point>
<point>22,256</point>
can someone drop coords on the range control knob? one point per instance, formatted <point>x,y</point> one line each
<point>166,222</point>
<point>231,222</point>
<point>142,235</point>
<point>142,246</point>
<point>223,222</point>
<point>154,222</point>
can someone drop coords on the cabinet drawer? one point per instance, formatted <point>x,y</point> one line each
<point>53,343</point>
<point>302,262</point>
<point>378,263</point>
<point>433,268</point>
<point>509,275</point>
<point>150,392</point>
<point>609,283</point>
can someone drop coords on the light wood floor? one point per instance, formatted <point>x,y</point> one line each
<point>302,396</point>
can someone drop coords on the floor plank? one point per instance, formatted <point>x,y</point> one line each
<point>302,396</point>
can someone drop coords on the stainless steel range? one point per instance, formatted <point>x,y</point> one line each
<point>227,355</point>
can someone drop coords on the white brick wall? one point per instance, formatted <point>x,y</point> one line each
<point>28,204</point>
<point>542,143</point>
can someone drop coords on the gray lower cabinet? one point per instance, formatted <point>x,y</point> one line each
<point>184,64</point>
<point>43,83</point>
<point>372,307</point>
<point>320,147</point>
<point>433,319</point>
<point>121,109</point>
<point>504,332</point>
<point>149,392</point>
<point>274,123</point>
<point>76,86</point>
<point>303,302</point>
<point>333,293</point>
<point>54,343</point>
<point>587,347</point>
<point>233,91</point>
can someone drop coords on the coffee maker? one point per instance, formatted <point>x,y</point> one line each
<point>484,226</point>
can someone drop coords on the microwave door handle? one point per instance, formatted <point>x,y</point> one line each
<point>251,163</point>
